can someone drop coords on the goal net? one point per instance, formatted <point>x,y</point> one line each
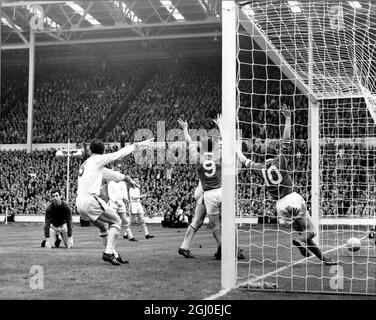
<point>319,59</point>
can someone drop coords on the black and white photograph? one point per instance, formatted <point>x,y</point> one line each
<point>188,155</point>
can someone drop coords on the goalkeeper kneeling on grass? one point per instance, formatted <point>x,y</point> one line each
<point>291,207</point>
<point>58,223</point>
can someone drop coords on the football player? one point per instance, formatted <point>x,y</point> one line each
<point>90,205</point>
<point>209,173</point>
<point>209,200</point>
<point>58,222</point>
<point>136,207</point>
<point>291,207</point>
<point>118,201</point>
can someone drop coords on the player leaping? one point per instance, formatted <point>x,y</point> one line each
<point>213,199</point>
<point>90,205</point>
<point>291,207</point>
<point>209,173</point>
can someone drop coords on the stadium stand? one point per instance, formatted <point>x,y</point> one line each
<point>186,91</point>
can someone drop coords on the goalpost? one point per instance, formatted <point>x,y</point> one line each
<point>318,58</point>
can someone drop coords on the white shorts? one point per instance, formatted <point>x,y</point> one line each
<point>199,195</point>
<point>291,207</point>
<point>91,207</point>
<point>213,200</point>
<point>60,229</point>
<point>55,231</point>
<point>121,208</point>
<point>136,208</point>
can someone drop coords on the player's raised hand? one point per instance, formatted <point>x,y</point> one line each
<point>183,124</point>
<point>239,144</point>
<point>219,122</point>
<point>239,151</point>
<point>286,111</point>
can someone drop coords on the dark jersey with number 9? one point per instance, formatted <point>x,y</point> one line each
<point>274,173</point>
<point>209,174</point>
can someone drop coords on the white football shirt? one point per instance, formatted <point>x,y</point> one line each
<point>117,191</point>
<point>134,192</point>
<point>92,171</point>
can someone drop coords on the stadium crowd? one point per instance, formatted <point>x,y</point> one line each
<point>91,95</point>
<point>183,91</point>
<point>27,179</point>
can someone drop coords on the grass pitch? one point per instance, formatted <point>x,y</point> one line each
<point>155,272</point>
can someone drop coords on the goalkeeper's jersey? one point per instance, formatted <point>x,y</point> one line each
<point>274,172</point>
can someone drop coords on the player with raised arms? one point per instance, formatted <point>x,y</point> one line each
<point>291,206</point>
<point>209,173</point>
<point>215,199</point>
<point>90,206</point>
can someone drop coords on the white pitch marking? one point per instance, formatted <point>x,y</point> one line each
<point>223,292</point>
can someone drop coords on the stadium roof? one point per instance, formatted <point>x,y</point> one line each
<point>335,38</point>
<point>158,27</point>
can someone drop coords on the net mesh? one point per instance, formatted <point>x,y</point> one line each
<point>287,51</point>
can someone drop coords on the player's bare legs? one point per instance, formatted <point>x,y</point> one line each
<point>126,222</point>
<point>215,222</point>
<point>114,222</point>
<point>197,221</point>
<point>103,234</point>
<point>305,240</point>
<point>103,230</point>
<point>64,234</point>
<point>53,237</point>
<point>144,226</point>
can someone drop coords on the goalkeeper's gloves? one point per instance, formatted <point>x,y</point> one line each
<point>70,242</point>
<point>48,244</point>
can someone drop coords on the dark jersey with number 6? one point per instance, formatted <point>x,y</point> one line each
<point>274,173</point>
<point>209,174</point>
